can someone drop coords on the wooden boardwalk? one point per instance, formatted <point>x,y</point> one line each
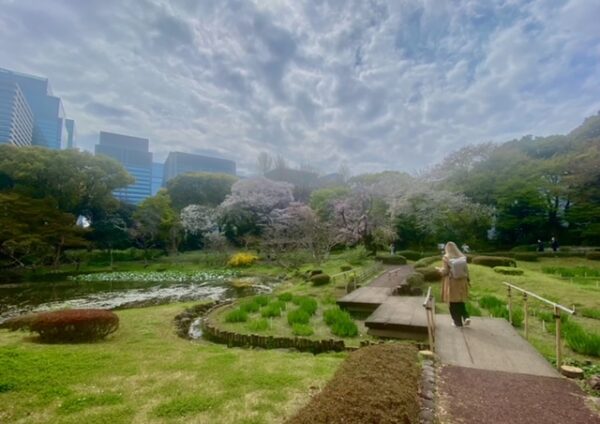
<point>400,317</point>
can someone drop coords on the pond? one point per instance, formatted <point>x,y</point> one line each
<point>122,290</point>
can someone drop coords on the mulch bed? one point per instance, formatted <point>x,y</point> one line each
<point>376,384</point>
<point>468,395</point>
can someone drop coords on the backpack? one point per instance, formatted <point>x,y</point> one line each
<point>458,268</point>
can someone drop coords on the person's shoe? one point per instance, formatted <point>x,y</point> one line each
<point>467,322</point>
<point>454,325</point>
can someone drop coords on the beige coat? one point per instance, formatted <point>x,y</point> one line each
<point>453,290</point>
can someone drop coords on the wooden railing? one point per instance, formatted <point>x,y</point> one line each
<point>557,308</point>
<point>353,277</point>
<point>429,305</point>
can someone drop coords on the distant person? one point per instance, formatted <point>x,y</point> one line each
<point>554,244</point>
<point>455,284</point>
<point>540,246</point>
<point>392,249</point>
<point>465,248</point>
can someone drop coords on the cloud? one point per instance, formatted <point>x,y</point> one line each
<point>379,84</point>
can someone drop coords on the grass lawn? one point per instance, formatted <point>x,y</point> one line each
<point>145,373</point>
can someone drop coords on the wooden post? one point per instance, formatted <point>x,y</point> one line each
<point>558,340</point>
<point>509,305</point>
<point>526,312</point>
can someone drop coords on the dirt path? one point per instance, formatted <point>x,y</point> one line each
<point>468,395</point>
<point>376,384</point>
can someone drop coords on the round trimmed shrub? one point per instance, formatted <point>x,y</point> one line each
<point>410,254</point>
<point>320,279</point>
<point>527,257</point>
<point>415,279</point>
<point>430,274</point>
<point>593,256</point>
<point>391,259</point>
<point>493,261</point>
<point>345,268</point>
<point>425,262</point>
<point>508,270</point>
<point>298,316</point>
<point>69,325</point>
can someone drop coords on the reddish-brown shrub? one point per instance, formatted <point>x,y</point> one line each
<point>70,325</point>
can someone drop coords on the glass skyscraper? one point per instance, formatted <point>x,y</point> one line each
<point>133,153</point>
<point>16,118</point>
<point>157,176</point>
<point>180,163</point>
<point>50,127</point>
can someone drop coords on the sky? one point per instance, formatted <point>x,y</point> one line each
<point>378,85</point>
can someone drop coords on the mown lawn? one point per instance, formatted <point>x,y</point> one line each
<point>145,373</point>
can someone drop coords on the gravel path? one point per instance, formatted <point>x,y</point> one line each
<point>468,395</point>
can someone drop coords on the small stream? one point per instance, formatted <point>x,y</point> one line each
<point>21,298</point>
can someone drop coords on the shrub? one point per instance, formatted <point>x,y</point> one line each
<point>302,330</point>
<point>298,316</point>
<point>391,259</point>
<point>242,259</point>
<point>314,272</point>
<point>285,297</point>
<point>340,322</point>
<point>262,300</point>
<point>527,257</point>
<point>320,279</point>
<point>490,302</point>
<point>508,270</point>
<point>273,309</point>
<point>524,248</point>
<point>415,279</point>
<point>493,261</point>
<point>593,256</point>
<point>356,256</point>
<point>425,262</point>
<point>307,304</point>
<point>473,310</point>
<point>430,274</point>
<point>236,315</point>
<point>70,325</point>
<point>410,254</point>
<point>259,324</point>
<point>345,268</point>
<point>250,306</point>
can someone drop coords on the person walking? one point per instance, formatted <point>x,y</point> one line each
<point>554,244</point>
<point>455,283</point>
<point>540,246</point>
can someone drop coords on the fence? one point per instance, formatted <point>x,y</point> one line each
<point>352,277</point>
<point>429,305</point>
<point>557,308</point>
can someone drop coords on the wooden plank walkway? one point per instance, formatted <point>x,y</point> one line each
<point>488,344</point>
<point>400,317</point>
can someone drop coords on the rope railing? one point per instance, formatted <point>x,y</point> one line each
<point>429,305</point>
<point>557,308</point>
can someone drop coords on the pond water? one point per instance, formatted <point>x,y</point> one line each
<point>39,296</point>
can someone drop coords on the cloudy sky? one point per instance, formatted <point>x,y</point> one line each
<point>380,85</point>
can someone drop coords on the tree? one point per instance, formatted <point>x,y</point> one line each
<point>322,200</point>
<point>111,229</point>
<point>80,183</point>
<point>197,221</point>
<point>199,189</point>
<point>251,200</point>
<point>280,163</point>
<point>264,163</point>
<point>34,231</point>
<point>156,223</point>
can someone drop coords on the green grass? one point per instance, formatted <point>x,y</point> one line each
<point>341,322</point>
<point>302,330</point>
<point>145,373</point>
<point>298,316</point>
<point>236,315</point>
<point>259,324</point>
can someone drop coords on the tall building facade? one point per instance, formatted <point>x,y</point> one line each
<point>50,127</point>
<point>16,118</point>
<point>179,163</point>
<point>133,153</point>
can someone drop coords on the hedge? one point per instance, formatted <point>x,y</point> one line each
<point>493,261</point>
<point>425,262</point>
<point>391,259</point>
<point>70,325</point>
<point>508,270</point>
<point>345,268</point>
<point>593,256</point>
<point>429,273</point>
<point>410,254</point>
<point>320,279</point>
<point>415,279</point>
<point>527,257</point>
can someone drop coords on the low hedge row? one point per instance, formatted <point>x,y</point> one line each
<point>430,274</point>
<point>425,262</point>
<point>320,279</point>
<point>391,259</point>
<point>526,257</point>
<point>493,261</point>
<point>412,255</point>
<point>506,270</point>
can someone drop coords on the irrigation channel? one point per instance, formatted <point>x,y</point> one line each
<point>123,290</point>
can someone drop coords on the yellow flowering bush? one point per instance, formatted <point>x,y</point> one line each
<point>242,259</point>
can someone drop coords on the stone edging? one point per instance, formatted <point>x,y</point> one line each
<point>185,318</point>
<point>427,391</point>
<point>230,338</point>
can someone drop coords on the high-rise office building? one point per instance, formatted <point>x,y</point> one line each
<point>133,153</point>
<point>157,176</point>
<point>50,128</point>
<point>16,119</point>
<point>180,163</point>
